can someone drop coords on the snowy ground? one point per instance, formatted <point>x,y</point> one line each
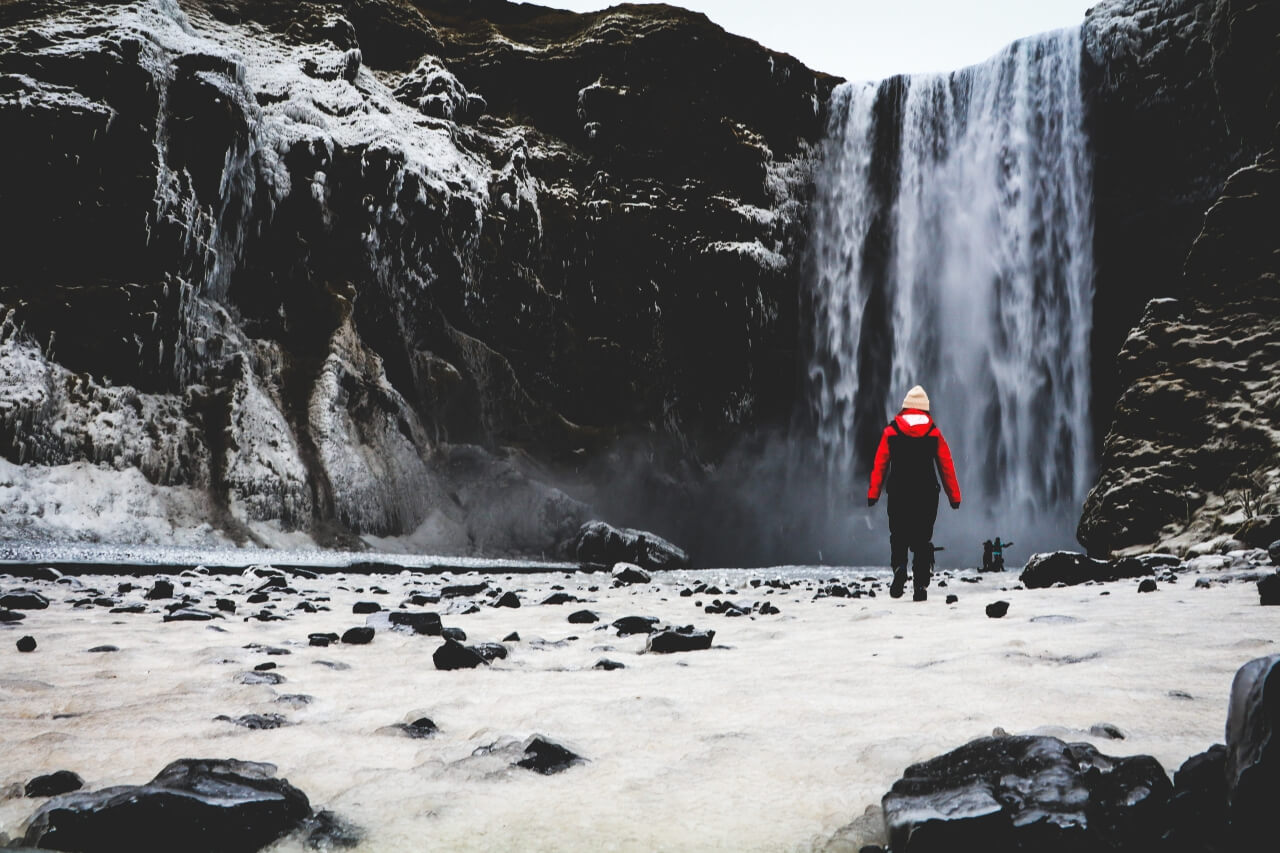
<point>776,738</point>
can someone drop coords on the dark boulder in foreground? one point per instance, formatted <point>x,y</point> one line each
<point>454,655</point>
<point>1253,750</point>
<point>23,601</point>
<point>1071,568</point>
<point>547,757</point>
<point>684,639</point>
<point>1269,590</point>
<point>53,784</point>
<point>1027,793</point>
<point>193,805</point>
<point>598,542</point>
<point>1198,809</point>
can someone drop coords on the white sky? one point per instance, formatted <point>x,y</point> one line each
<point>873,39</point>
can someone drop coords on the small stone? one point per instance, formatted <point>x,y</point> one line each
<point>160,589</point>
<point>254,677</point>
<point>321,640</point>
<point>359,636</point>
<point>27,644</point>
<point>1106,730</point>
<point>423,727</point>
<point>98,649</point>
<point>1269,590</point>
<point>629,573</point>
<point>24,601</point>
<point>547,757</point>
<point>508,599</point>
<point>513,637</point>
<point>583,617</point>
<point>608,665</point>
<point>953,598</point>
<point>997,609</point>
<point>1147,585</point>
<point>53,784</point>
<point>226,605</point>
<point>366,607</point>
<point>454,655</point>
<point>456,634</point>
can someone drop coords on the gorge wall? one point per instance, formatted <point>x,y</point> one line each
<point>380,272</point>
<point>455,276</point>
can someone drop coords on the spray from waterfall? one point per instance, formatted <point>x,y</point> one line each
<point>953,248</point>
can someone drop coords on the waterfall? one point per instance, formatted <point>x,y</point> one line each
<point>952,248</point>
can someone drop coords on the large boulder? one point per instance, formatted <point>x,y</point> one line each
<point>1070,568</point>
<point>599,542</point>
<point>198,805</point>
<point>1253,751</point>
<point>1027,793</point>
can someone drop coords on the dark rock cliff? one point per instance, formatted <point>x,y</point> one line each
<point>1193,451</point>
<point>382,270</point>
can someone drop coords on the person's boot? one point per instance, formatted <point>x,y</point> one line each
<point>920,594</point>
<point>899,584</point>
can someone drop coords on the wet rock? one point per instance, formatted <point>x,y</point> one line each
<point>561,598</point>
<point>1269,590</point>
<point>365,607</point>
<point>202,805</point>
<point>454,655</point>
<point>1197,812</point>
<point>598,542</point>
<point>583,617</point>
<point>464,590</point>
<point>1027,793</point>
<point>26,644</point>
<point>255,677</point>
<point>997,609</point>
<point>608,665</point>
<point>629,573</point>
<point>23,601</point>
<point>1253,749</point>
<point>1106,730</point>
<point>423,727</point>
<point>258,598</point>
<point>263,667</point>
<point>508,599</point>
<point>9,616</point>
<point>490,651</point>
<point>1068,567</point>
<point>636,625</point>
<point>361,635</point>
<point>225,605</point>
<point>161,589</point>
<point>547,757</point>
<point>1147,585</point>
<point>53,784</point>
<point>256,721</point>
<point>683,639</point>
<point>456,634</point>
<point>105,648</point>
<point>424,622</point>
<point>189,614</point>
<point>322,640</point>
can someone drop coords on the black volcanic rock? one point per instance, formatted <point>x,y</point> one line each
<point>583,617</point>
<point>1253,750</point>
<point>454,655</point>
<point>684,639</point>
<point>161,589</point>
<point>636,625</point>
<point>598,542</point>
<point>1070,568</point>
<point>23,601</point>
<point>1027,793</point>
<point>997,609</point>
<point>1269,590</point>
<point>361,635</point>
<point>26,644</point>
<point>365,607</point>
<point>422,622</point>
<point>53,784</point>
<point>1197,813</point>
<point>199,805</point>
<point>547,757</point>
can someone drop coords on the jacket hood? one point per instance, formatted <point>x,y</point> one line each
<point>913,422</point>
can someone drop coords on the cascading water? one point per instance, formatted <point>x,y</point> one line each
<point>953,248</point>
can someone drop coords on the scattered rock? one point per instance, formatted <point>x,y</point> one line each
<point>513,637</point>
<point>1197,813</point>
<point>464,590</point>
<point>11,616</point>
<point>361,607</point>
<point>321,640</point>
<point>1269,590</point>
<point>547,757</point>
<point>1147,585</point>
<point>1068,567</point>
<point>636,625</point>
<point>191,805</point>
<point>508,599</point>
<point>423,727</point>
<point>598,542</point>
<point>423,622</point>
<point>1027,793</point>
<point>226,605</point>
<point>189,614</point>
<point>608,665</point>
<point>254,677</point>
<point>997,609</point>
<point>454,655</point>
<point>1273,551</point>
<point>629,573</point>
<point>23,601</point>
<point>952,598</point>
<point>1106,730</point>
<point>107,648</point>
<point>26,644</point>
<point>361,635</point>
<point>684,639</point>
<point>256,721</point>
<point>53,784</point>
<point>455,634</point>
<point>584,617</point>
<point>490,651</point>
<point>561,598</point>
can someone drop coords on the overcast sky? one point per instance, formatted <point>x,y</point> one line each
<point>873,39</point>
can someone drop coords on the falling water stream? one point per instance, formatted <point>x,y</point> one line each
<point>953,249</point>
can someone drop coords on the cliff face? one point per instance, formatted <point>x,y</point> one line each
<point>380,270</point>
<point>1193,451</point>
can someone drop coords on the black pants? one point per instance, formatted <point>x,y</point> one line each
<point>911,517</point>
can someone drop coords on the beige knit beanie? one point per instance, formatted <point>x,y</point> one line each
<point>916,399</point>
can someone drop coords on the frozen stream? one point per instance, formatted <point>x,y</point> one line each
<point>781,734</point>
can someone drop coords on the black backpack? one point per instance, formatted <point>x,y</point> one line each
<point>912,460</point>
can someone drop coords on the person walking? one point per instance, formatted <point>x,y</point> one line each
<point>911,456</point>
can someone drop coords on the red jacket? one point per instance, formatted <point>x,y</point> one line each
<point>914,423</point>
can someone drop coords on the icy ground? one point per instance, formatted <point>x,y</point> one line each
<point>775,739</point>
